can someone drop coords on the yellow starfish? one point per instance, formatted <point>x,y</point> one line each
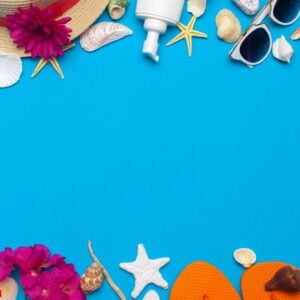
<point>187,33</point>
<point>42,63</point>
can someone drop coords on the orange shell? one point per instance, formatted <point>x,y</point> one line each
<point>255,278</point>
<point>203,281</point>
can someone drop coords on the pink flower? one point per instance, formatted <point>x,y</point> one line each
<point>58,283</point>
<point>37,257</point>
<point>38,32</point>
<point>6,263</point>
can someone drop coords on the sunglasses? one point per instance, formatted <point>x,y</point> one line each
<point>255,45</point>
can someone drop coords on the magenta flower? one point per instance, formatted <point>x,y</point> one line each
<point>37,257</point>
<point>6,263</point>
<point>38,32</point>
<point>58,283</point>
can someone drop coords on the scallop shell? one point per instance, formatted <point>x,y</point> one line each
<point>283,50</point>
<point>9,289</point>
<point>102,34</point>
<point>296,35</point>
<point>196,7</point>
<point>151,295</point>
<point>10,69</point>
<point>229,27</point>
<point>92,279</point>
<point>244,256</point>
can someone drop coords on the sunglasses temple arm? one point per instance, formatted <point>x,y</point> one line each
<point>262,14</point>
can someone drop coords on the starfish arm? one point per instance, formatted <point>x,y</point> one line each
<point>189,44</point>
<point>57,67</point>
<point>192,23</point>
<point>140,284</point>
<point>158,280</point>
<point>42,63</point>
<point>161,262</point>
<point>128,267</point>
<point>142,255</point>
<point>182,27</point>
<point>176,39</point>
<point>198,34</point>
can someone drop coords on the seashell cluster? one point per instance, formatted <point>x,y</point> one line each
<point>228,25</point>
<point>282,49</point>
<point>92,279</point>
<point>245,257</point>
<point>286,279</point>
<point>9,289</point>
<point>196,7</point>
<point>101,34</point>
<point>10,69</point>
<point>249,7</point>
<point>296,35</point>
<point>151,295</point>
<point>117,8</point>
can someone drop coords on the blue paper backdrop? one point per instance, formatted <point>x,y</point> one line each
<point>193,157</point>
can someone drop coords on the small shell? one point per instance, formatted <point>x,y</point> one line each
<point>244,256</point>
<point>9,289</point>
<point>151,295</point>
<point>249,7</point>
<point>282,49</point>
<point>286,279</point>
<point>10,69</point>
<point>92,279</point>
<point>102,34</point>
<point>229,27</point>
<point>296,35</point>
<point>117,8</point>
<point>196,7</point>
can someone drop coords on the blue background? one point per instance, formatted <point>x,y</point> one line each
<point>194,157</point>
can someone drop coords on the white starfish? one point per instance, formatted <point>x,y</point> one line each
<point>145,271</point>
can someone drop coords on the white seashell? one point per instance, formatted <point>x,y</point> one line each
<point>102,34</point>
<point>9,289</point>
<point>249,7</point>
<point>228,25</point>
<point>10,69</point>
<point>151,295</point>
<point>244,256</point>
<point>296,35</point>
<point>283,50</point>
<point>196,7</point>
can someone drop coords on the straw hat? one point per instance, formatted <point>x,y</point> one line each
<point>83,14</point>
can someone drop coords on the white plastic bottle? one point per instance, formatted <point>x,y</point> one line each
<point>158,14</point>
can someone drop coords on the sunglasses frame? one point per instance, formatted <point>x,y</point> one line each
<point>267,11</point>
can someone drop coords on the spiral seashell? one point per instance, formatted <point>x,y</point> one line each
<point>283,50</point>
<point>229,27</point>
<point>10,69</point>
<point>102,34</point>
<point>296,35</point>
<point>117,8</point>
<point>92,279</point>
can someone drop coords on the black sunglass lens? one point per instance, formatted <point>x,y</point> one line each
<point>286,11</point>
<point>255,46</point>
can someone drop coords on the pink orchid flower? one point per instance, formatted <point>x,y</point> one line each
<point>6,263</point>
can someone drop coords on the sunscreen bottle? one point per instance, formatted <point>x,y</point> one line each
<point>158,15</point>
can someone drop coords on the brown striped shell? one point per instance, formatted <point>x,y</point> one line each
<point>92,279</point>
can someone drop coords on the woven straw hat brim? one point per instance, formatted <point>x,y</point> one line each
<point>83,15</point>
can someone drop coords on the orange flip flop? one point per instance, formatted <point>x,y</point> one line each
<point>203,281</point>
<point>255,278</point>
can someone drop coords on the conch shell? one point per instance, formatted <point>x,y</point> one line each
<point>10,69</point>
<point>282,49</point>
<point>296,35</point>
<point>286,279</point>
<point>117,8</point>
<point>9,289</point>
<point>92,279</point>
<point>196,7</point>
<point>229,27</point>
<point>101,34</point>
